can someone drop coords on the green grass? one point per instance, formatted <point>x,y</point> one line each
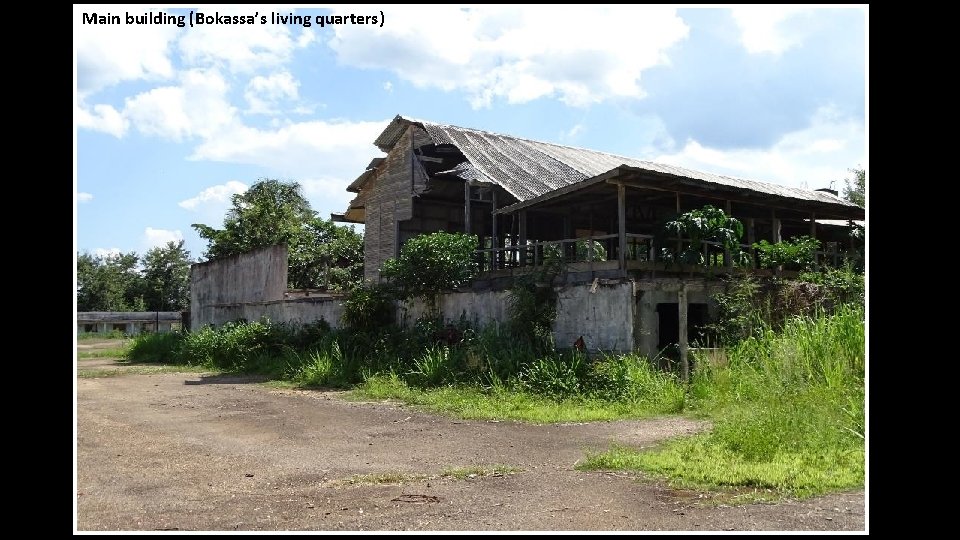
<point>462,473</point>
<point>137,370</point>
<point>117,352</point>
<point>113,334</point>
<point>503,404</point>
<point>788,413</point>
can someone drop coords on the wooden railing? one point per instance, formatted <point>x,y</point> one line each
<point>639,247</point>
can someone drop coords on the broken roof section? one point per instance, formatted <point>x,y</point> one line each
<point>534,170</point>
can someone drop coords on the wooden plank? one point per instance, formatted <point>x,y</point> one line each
<point>466,207</point>
<point>494,242</point>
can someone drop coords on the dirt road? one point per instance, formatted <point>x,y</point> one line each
<point>184,451</point>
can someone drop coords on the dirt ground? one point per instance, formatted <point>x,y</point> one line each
<point>188,451</point>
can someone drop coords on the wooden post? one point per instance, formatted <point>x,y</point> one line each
<point>727,257</point>
<point>494,241</point>
<point>622,225</point>
<point>682,308</point>
<point>523,238</point>
<point>751,238</point>
<point>775,225</point>
<point>466,207</point>
<point>679,239</point>
<point>813,234</point>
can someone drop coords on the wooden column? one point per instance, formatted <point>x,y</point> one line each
<point>751,238</point>
<point>813,234</point>
<point>622,225</point>
<point>727,257</point>
<point>679,240</point>
<point>775,226</point>
<point>466,207</point>
<point>493,238</point>
<point>523,238</point>
<point>682,308</point>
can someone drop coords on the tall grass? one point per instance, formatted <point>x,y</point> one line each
<point>789,410</point>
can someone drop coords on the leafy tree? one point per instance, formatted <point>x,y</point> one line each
<point>166,277</point>
<point>708,224</point>
<point>321,253</point>
<point>431,263</point>
<point>109,283</point>
<point>855,190</point>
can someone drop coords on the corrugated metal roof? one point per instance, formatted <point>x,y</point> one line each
<point>526,168</point>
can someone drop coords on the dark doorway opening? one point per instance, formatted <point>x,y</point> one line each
<point>668,339</point>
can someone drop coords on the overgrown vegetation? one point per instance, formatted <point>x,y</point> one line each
<point>707,224</point>
<point>432,263</point>
<point>788,408</point>
<point>794,254</point>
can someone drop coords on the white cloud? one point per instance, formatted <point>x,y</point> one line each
<point>572,132</point>
<point>84,197</point>
<point>218,194</point>
<point>159,237</point>
<point>102,118</point>
<point>265,94</point>
<point>762,28</point>
<point>327,194</point>
<point>242,48</point>
<point>388,86</point>
<point>811,157</point>
<point>109,54</point>
<point>106,252</point>
<point>579,55</point>
<point>198,107</point>
<point>337,149</point>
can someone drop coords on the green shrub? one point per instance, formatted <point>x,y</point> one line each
<point>795,254</point>
<point>557,375</point>
<point>369,307</point>
<point>163,347</point>
<point>431,263</point>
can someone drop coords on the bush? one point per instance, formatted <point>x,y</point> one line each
<point>557,375</point>
<point>795,254</point>
<point>369,307</point>
<point>634,379</point>
<point>163,347</point>
<point>431,263</point>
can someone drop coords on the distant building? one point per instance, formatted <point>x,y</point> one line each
<point>128,322</point>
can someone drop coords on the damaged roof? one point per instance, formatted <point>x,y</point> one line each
<point>528,169</point>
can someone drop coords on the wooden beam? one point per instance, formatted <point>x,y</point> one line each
<point>679,240</point>
<point>493,237</point>
<point>523,237</point>
<point>775,225</point>
<point>622,225</point>
<point>682,308</point>
<point>727,258</point>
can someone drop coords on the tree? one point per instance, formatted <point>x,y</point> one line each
<point>166,278</point>
<point>321,253</point>
<point>855,190</point>
<point>109,283</point>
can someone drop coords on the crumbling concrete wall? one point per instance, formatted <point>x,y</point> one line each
<point>297,312</point>
<point>215,286</point>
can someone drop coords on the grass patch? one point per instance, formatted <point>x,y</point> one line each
<point>462,473</point>
<point>113,334</point>
<point>788,410</point>
<point>119,352</point>
<point>137,370</point>
<point>381,478</point>
<point>502,404</point>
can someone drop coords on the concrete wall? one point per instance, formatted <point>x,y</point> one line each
<point>298,312</point>
<point>664,291</point>
<point>258,276</point>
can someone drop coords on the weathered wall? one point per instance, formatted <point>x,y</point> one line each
<point>389,200</point>
<point>258,276</point>
<point>664,291</point>
<point>298,312</point>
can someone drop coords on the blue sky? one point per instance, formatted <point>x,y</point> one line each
<point>171,121</point>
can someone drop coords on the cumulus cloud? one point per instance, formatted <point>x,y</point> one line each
<point>264,95</point>
<point>84,197</point>
<point>103,118</point>
<point>242,48</point>
<point>109,54</point>
<point>762,28</point>
<point>340,149</point>
<point>809,158</point>
<point>219,194</point>
<point>198,107</point>
<point>518,54</point>
<point>159,237</point>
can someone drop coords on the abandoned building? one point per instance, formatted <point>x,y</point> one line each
<point>529,201</point>
<point>130,323</point>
